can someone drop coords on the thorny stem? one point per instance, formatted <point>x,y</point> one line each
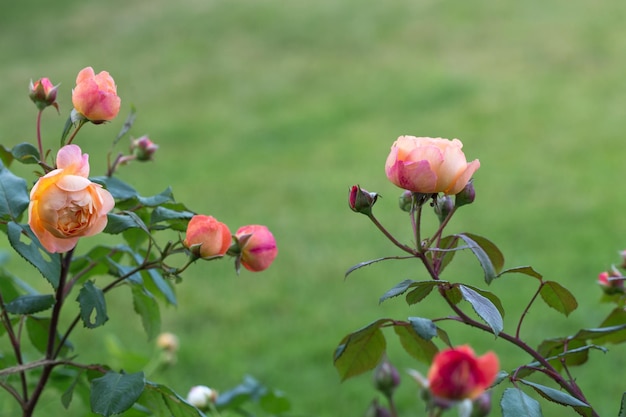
<point>51,352</point>
<point>15,344</point>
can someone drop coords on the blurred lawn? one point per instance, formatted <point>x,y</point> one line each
<point>267,111</point>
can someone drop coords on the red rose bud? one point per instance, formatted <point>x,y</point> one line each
<point>43,93</point>
<point>443,207</point>
<point>206,237</point>
<point>257,247</point>
<point>466,196</point>
<point>457,374</point>
<point>361,201</point>
<point>143,148</point>
<point>386,377</point>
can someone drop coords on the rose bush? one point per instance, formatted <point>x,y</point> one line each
<point>95,96</point>
<point>65,205</point>
<point>429,165</point>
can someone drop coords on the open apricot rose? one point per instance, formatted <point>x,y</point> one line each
<point>65,205</point>
<point>429,165</point>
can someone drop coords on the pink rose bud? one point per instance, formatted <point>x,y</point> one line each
<point>65,205</point>
<point>206,237</point>
<point>361,201</point>
<point>429,165</point>
<point>43,93</point>
<point>95,96</point>
<point>257,247</point>
<point>611,282</point>
<point>143,148</point>
<point>457,374</point>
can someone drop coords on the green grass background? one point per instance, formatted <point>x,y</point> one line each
<point>266,111</point>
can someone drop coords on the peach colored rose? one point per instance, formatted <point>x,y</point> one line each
<point>207,237</point>
<point>457,374</point>
<point>429,165</point>
<point>259,250</point>
<point>95,96</point>
<point>65,205</point>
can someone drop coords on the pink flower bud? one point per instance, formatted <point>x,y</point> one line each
<point>43,93</point>
<point>143,148</point>
<point>360,200</point>
<point>611,282</point>
<point>95,96</point>
<point>206,237</point>
<point>257,247</point>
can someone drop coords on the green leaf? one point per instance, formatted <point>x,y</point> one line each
<point>68,394</point>
<point>555,395</point>
<point>446,253</point>
<point>491,296</point>
<point>117,223</point>
<point>622,409</point>
<point>163,197</point>
<point>25,153</point>
<point>421,290</point>
<point>360,351</point>
<point>601,332</point>
<point>526,270</point>
<point>249,389</point>
<point>558,297</point>
<point>30,304</point>
<point>14,197</point>
<point>118,188</point>
<point>515,403</point>
<point>425,328</point>
<point>443,335</point>
<point>157,396</point>
<point>617,317</point>
<point>5,156</point>
<point>484,308</point>
<point>38,329</point>
<point>419,348</point>
<point>159,286</point>
<point>128,123</point>
<point>115,393</point>
<point>488,254</point>
<point>148,309</point>
<point>399,289</point>
<point>275,402</point>
<point>48,264</point>
<point>366,263</point>
<point>160,214</point>
<point>91,300</point>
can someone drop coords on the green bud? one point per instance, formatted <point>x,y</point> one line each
<point>443,206</point>
<point>466,195</point>
<point>361,201</point>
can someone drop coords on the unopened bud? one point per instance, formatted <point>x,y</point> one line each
<point>386,377</point>
<point>361,201</point>
<point>611,282</point>
<point>201,396</point>
<point>443,206</point>
<point>376,410</point>
<point>481,406</point>
<point>143,148</point>
<point>623,255</point>
<point>405,201</point>
<point>466,196</point>
<point>43,93</point>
